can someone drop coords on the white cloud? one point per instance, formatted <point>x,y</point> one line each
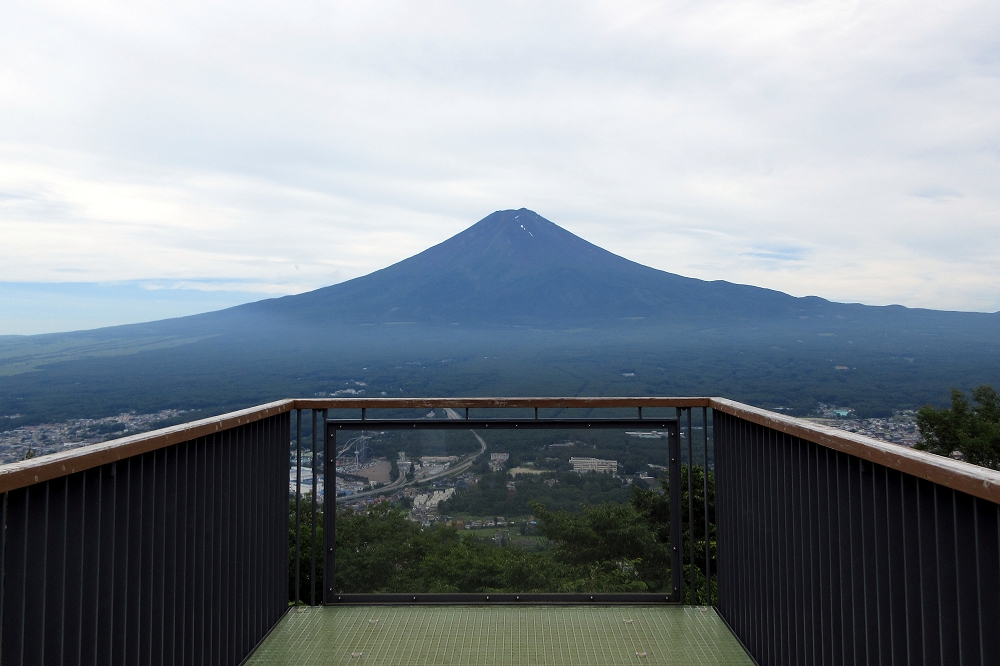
<point>848,150</point>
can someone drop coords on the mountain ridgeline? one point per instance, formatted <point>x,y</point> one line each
<point>512,305</point>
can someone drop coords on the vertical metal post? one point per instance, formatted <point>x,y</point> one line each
<point>3,563</point>
<point>298,497</point>
<point>330,517</point>
<point>708,547</point>
<point>676,548</point>
<point>690,438</point>
<point>312,542</point>
<point>321,459</point>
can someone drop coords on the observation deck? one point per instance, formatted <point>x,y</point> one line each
<point>783,542</point>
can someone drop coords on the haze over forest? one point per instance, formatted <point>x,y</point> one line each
<point>513,305</point>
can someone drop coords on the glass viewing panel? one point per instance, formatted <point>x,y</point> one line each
<point>487,508</point>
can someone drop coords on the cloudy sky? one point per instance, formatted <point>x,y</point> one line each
<point>164,159</point>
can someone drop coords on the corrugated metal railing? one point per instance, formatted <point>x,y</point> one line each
<point>831,557</point>
<point>177,555</point>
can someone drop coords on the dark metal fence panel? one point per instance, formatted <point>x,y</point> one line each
<point>174,556</point>
<point>826,558</point>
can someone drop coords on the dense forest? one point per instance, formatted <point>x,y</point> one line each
<point>760,367</point>
<point>617,545</point>
<point>544,450</point>
<point>567,491</point>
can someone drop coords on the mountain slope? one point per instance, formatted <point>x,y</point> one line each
<point>512,305</point>
<point>514,267</point>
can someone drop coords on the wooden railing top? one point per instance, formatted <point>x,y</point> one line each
<point>47,467</point>
<point>971,479</point>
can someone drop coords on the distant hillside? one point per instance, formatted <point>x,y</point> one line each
<point>513,304</point>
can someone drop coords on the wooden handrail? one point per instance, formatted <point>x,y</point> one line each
<point>44,468</point>
<point>978,481</point>
<point>972,479</point>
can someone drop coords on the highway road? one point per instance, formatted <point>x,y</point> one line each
<point>400,483</point>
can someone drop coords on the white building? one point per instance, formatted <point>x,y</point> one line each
<point>497,461</point>
<point>431,500</point>
<point>582,465</point>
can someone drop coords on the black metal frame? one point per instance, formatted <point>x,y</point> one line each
<point>481,599</point>
<point>671,425</point>
<point>334,425</point>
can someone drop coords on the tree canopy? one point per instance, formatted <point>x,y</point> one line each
<point>608,547</point>
<point>973,431</point>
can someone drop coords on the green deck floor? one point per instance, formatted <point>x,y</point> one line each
<point>494,635</point>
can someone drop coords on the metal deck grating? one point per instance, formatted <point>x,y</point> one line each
<point>501,635</point>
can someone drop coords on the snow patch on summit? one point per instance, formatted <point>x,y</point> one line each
<point>529,233</point>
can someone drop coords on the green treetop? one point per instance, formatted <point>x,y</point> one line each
<point>970,430</point>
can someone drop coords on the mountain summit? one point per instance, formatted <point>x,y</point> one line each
<point>514,267</point>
